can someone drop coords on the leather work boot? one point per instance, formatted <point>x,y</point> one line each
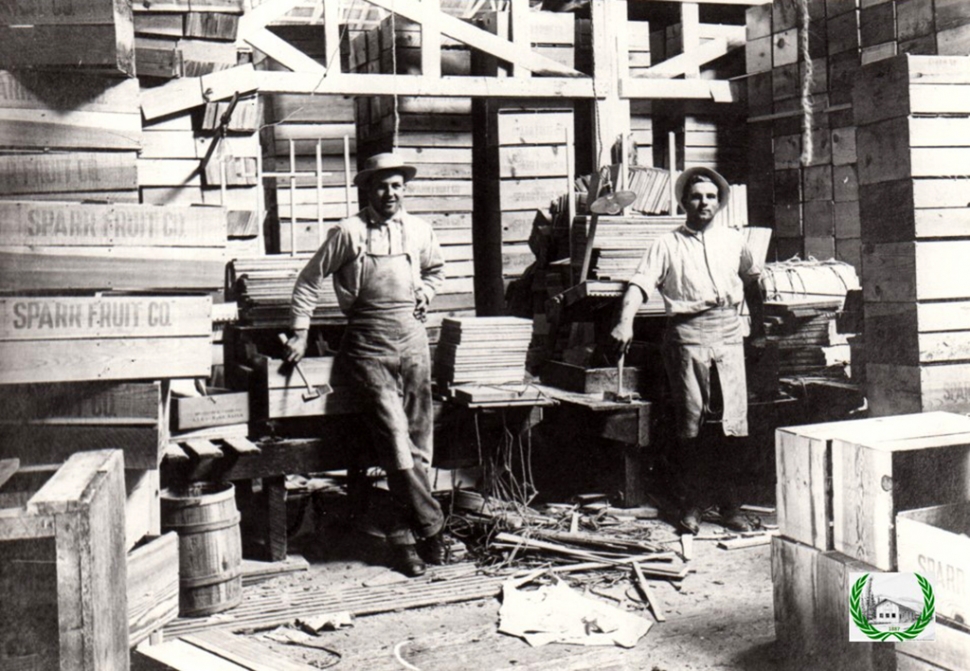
<point>735,520</point>
<point>434,549</point>
<point>407,561</point>
<point>691,521</point>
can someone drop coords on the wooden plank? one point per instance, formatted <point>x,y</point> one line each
<point>911,84</point>
<point>119,359</point>
<point>182,656</point>
<point>215,409</point>
<point>793,580</point>
<point>86,224</point>
<point>31,318</point>
<point>950,649</point>
<point>243,651</point>
<point>77,171</point>
<point>152,586</point>
<point>142,504</point>
<point>99,268</point>
<point>189,92</point>
<point>201,449</point>
<point>907,333</point>
<point>872,483</point>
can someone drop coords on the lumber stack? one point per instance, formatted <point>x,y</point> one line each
<point>488,350</point>
<point>263,288</point>
<point>837,517</point>
<point>434,135</point>
<point>310,148</point>
<point>914,135</point>
<point>618,244</point>
<point>185,39</point>
<point>804,335</point>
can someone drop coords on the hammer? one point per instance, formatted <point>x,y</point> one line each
<point>618,396</point>
<point>311,393</point>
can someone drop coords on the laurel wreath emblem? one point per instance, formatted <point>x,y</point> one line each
<point>914,630</point>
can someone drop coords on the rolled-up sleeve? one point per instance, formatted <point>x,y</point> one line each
<point>651,269</point>
<point>336,250</point>
<point>749,270</point>
<point>432,266</point>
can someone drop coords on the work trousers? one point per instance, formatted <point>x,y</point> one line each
<point>398,411</point>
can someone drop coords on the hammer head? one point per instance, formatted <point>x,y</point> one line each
<point>312,393</point>
<point>614,397</point>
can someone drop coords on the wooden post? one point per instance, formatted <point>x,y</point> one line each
<point>672,159</point>
<point>691,38</point>
<point>521,32</point>
<point>347,179</point>
<point>431,41</point>
<point>570,187</point>
<point>331,34</point>
<point>292,198</point>
<point>319,193</point>
<point>609,19</point>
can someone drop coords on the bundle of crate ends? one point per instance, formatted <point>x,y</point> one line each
<point>869,496</point>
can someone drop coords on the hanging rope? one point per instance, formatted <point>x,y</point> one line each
<point>397,113</point>
<point>808,73</point>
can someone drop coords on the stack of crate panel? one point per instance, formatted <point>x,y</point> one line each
<point>839,520</point>
<point>434,135</point>
<point>181,38</point>
<point>310,143</point>
<point>913,139</point>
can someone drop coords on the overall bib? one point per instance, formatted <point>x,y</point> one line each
<point>384,353</point>
<point>693,346</point>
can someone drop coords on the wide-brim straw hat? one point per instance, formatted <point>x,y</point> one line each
<point>385,162</point>
<point>723,188</point>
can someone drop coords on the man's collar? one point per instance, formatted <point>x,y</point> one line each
<point>373,219</point>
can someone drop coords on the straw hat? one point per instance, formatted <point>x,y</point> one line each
<point>386,161</point>
<point>723,188</point>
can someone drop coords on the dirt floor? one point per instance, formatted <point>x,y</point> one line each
<point>721,618</point>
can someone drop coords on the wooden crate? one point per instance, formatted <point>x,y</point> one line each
<point>811,595</point>
<point>907,84</point>
<point>805,456</point>
<point>894,389</point>
<point>950,651</point>
<point>143,515</point>
<point>914,147</point>
<point>921,208</point>
<point>91,34</point>
<point>872,481</point>
<point>76,246</point>
<point>40,110</point>
<point>65,339</point>
<point>62,543</point>
<point>46,423</point>
<point>152,586</point>
<point>915,271</point>
<point>918,333</point>
<point>277,391</point>
<point>217,408</point>
<point>934,542</point>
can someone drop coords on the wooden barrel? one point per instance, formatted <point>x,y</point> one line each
<point>210,547</point>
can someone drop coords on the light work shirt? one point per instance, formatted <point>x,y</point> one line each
<point>341,252</point>
<point>697,270</point>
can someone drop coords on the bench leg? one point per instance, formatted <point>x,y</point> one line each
<point>274,489</point>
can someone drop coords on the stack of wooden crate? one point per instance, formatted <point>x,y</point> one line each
<point>180,38</point>
<point>816,205</point>
<point>310,149</point>
<point>842,489</point>
<point>434,135</point>
<point>914,136</point>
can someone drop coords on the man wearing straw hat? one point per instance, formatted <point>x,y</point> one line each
<point>704,271</point>
<point>387,266</point>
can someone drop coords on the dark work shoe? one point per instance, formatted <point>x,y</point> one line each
<point>407,561</point>
<point>434,550</point>
<point>691,521</point>
<point>735,520</point>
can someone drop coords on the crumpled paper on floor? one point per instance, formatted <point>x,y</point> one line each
<point>559,614</point>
